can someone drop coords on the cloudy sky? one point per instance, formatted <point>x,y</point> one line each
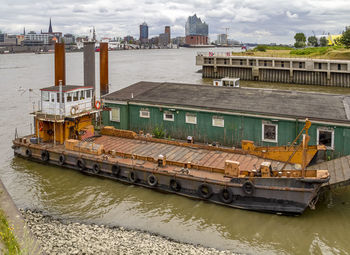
<point>261,21</point>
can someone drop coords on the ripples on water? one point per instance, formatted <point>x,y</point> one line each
<point>68,194</point>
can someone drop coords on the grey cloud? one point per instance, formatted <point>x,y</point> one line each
<point>248,20</point>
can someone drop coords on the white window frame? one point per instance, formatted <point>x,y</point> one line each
<point>325,130</point>
<point>168,113</point>
<point>147,116</point>
<point>110,114</point>
<point>263,133</point>
<point>188,115</point>
<point>214,118</point>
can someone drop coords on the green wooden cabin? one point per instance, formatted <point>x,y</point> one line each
<point>228,115</point>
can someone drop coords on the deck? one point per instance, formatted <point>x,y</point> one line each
<point>339,169</point>
<point>203,157</point>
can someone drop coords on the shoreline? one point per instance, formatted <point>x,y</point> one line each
<point>60,236</point>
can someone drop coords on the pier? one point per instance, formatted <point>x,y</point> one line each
<point>284,70</point>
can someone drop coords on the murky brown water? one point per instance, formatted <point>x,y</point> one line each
<point>66,193</point>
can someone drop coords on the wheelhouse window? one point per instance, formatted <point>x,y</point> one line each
<point>269,132</point>
<point>45,96</point>
<point>82,94</point>
<point>115,114</point>
<point>191,118</point>
<point>76,96</point>
<point>69,97</point>
<point>325,137</point>
<point>218,121</point>
<point>144,113</point>
<point>88,93</point>
<point>169,116</point>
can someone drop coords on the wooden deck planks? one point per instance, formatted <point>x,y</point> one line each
<point>203,157</point>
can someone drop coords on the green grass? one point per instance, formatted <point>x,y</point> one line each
<point>7,236</point>
<point>311,51</point>
<point>278,48</point>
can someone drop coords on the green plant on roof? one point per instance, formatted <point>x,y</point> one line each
<point>158,132</point>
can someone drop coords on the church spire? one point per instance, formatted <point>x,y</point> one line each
<point>50,27</point>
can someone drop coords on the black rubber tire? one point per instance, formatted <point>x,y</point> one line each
<point>96,168</point>
<point>205,191</point>
<point>81,164</point>
<point>115,170</point>
<point>28,153</point>
<point>226,195</point>
<point>152,180</point>
<point>45,156</point>
<point>248,188</point>
<point>132,177</point>
<point>61,160</point>
<point>175,185</point>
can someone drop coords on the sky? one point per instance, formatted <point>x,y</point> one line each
<point>255,21</point>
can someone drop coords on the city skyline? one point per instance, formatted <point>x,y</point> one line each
<point>248,21</point>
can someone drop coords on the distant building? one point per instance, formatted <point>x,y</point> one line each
<point>180,40</point>
<point>196,31</point>
<point>167,31</point>
<point>52,36</point>
<point>144,33</point>
<point>50,28</point>
<point>129,39</point>
<point>34,39</point>
<point>69,39</point>
<point>154,40</point>
<point>20,39</point>
<point>7,40</point>
<point>222,39</point>
<point>164,40</point>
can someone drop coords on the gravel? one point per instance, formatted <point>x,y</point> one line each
<point>60,237</point>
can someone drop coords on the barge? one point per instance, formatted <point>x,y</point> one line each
<point>65,136</point>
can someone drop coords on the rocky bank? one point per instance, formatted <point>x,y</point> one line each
<point>60,237</point>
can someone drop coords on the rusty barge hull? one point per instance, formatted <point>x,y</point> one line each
<point>289,196</point>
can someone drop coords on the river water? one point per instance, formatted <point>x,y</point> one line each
<point>69,194</point>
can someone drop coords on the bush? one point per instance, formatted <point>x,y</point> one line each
<point>260,48</point>
<point>299,44</point>
<point>158,133</point>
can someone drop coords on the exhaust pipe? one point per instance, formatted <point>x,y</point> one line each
<point>89,64</point>
<point>103,68</point>
<point>60,64</point>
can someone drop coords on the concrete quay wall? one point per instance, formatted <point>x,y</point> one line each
<point>285,70</point>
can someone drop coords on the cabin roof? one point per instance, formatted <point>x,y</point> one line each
<point>279,103</point>
<point>65,88</point>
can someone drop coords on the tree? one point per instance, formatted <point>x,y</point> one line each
<point>323,41</point>
<point>300,40</point>
<point>345,39</point>
<point>312,41</point>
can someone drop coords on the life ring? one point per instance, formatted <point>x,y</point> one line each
<point>45,156</point>
<point>132,176</point>
<point>73,110</point>
<point>205,191</point>
<point>97,104</point>
<point>41,126</point>
<point>226,195</point>
<point>175,185</point>
<point>80,164</point>
<point>96,168</point>
<point>115,170</point>
<point>28,153</point>
<point>61,159</point>
<point>248,188</point>
<point>152,180</point>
